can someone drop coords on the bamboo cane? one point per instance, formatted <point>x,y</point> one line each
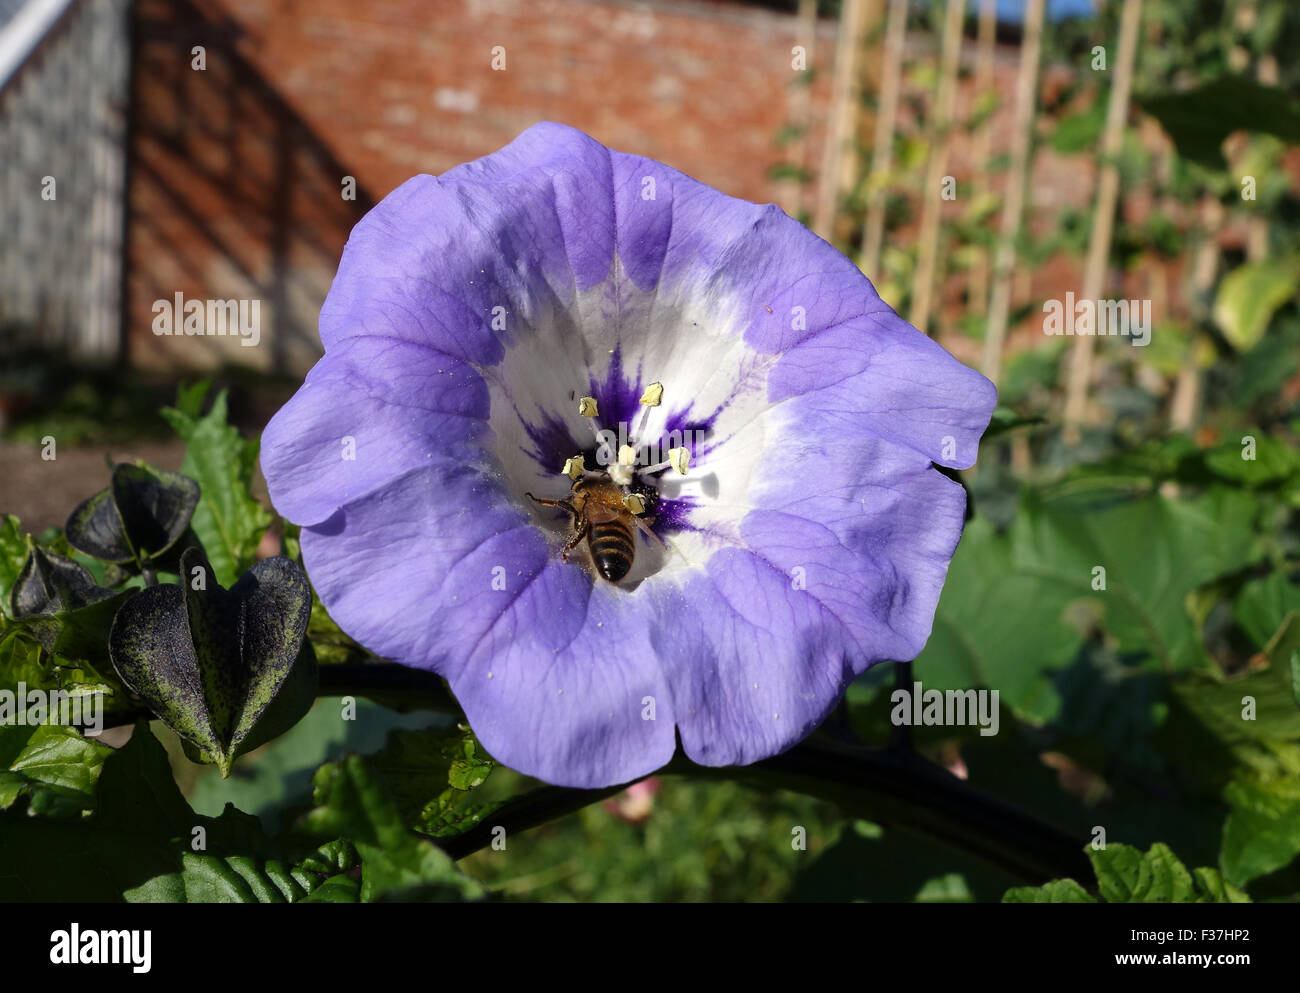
<point>882,154</point>
<point>940,141</point>
<point>1017,186</point>
<point>1103,220</point>
<point>839,151</point>
<point>977,289</point>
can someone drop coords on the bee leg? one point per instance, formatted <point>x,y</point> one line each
<point>573,542</point>
<point>551,503</point>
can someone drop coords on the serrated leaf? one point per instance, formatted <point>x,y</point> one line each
<point>54,767</point>
<point>431,775</point>
<point>228,521</point>
<point>1126,875</point>
<point>1255,707</point>
<point>1057,891</point>
<point>1262,832</point>
<point>397,864</point>
<point>143,845</point>
<point>24,664</point>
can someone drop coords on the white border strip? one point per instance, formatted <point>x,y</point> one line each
<point>19,38</point>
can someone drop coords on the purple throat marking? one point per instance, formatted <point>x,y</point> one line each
<point>618,399</point>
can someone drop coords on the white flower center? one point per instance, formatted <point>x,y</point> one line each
<point>675,408</point>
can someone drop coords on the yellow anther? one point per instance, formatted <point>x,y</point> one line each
<point>635,503</point>
<point>627,455</point>
<point>574,467</point>
<point>679,459</point>
<point>653,396</point>
<point>587,407</point>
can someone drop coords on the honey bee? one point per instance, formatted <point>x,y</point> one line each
<point>599,514</point>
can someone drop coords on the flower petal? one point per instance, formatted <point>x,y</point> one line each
<point>811,535</point>
<point>438,572</point>
<point>371,409</point>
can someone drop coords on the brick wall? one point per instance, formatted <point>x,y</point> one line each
<point>235,190</point>
<point>237,169</point>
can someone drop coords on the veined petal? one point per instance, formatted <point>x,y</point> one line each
<point>371,409</point>
<point>808,540</point>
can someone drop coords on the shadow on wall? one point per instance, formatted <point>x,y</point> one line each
<point>238,211</point>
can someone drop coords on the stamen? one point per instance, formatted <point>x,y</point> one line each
<point>652,397</point>
<point>678,458</point>
<point>627,455</point>
<point>587,408</point>
<point>635,503</point>
<point>574,467</point>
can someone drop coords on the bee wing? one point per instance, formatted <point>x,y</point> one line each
<point>668,546</point>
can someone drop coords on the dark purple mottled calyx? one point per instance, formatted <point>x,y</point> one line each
<point>210,662</point>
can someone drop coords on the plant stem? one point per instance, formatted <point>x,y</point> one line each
<point>890,787</point>
<point>397,686</point>
<point>894,787</point>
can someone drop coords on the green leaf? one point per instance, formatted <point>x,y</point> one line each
<point>397,864</point>
<point>1252,459</point>
<point>1005,419</point>
<point>228,521</point>
<point>208,661</point>
<point>430,775</point>
<point>1250,295</point>
<point>20,661</point>
<point>1262,606</point>
<point>1262,832</point>
<point>1126,875</point>
<point>1212,712</point>
<point>1199,120</point>
<point>1081,131</point>
<point>1155,552</point>
<point>145,844</point>
<point>54,767</point>
<point>1057,891</point>
<point>189,399</point>
<point>13,553</point>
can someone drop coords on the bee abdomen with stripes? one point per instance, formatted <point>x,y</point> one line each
<point>612,549</point>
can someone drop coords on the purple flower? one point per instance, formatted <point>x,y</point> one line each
<point>479,319</point>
